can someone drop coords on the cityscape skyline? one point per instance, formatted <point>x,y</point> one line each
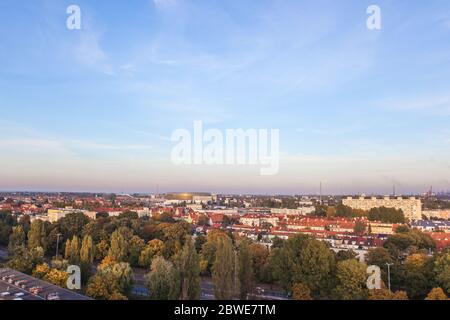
<point>93,110</point>
<point>319,193</point>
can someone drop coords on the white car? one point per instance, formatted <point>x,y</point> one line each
<point>5,294</point>
<point>19,294</point>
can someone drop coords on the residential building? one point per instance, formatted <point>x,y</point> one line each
<point>411,207</point>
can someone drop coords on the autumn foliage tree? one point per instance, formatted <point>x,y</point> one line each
<point>385,294</point>
<point>301,292</point>
<point>436,294</point>
<point>52,275</point>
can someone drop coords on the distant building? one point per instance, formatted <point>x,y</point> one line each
<point>195,206</point>
<point>437,214</point>
<point>55,214</point>
<point>411,207</point>
<point>255,220</point>
<point>299,211</point>
<point>382,228</point>
<point>431,226</point>
<point>190,197</point>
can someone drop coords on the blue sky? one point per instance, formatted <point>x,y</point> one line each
<point>93,109</point>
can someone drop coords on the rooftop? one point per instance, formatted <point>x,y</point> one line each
<point>15,285</point>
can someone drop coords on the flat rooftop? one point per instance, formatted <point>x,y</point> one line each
<point>15,290</point>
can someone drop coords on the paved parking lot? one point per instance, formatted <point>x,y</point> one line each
<point>15,285</point>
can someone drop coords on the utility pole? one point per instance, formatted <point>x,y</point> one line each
<point>235,272</point>
<point>389,275</point>
<point>57,244</point>
<point>320,192</point>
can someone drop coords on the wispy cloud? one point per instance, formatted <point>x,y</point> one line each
<point>164,3</point>
<point>65,146</point>
<point>439,104</point>
<point>90,52</point>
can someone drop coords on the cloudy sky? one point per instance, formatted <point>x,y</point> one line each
<point>94,109</point>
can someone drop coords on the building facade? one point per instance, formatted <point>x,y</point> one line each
<point>411,207</point>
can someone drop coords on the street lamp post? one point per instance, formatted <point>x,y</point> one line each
<point>57,244</point>
<point>389,274</point>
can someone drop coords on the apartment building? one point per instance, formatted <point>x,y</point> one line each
<point>411,207</point>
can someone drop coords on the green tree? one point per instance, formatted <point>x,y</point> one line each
<point>208,254</point>
<point>346,255</point>
<point>16,240</point>
<point>87,255</point>
<point>37,235</point>
<point>74,251</point>
<point>223,270</point>
<point>52,238</point>
<point>7,221</point>
<point>442,270</point>
<point>378,257</point>
<point>199,242</point>
<point>136,245</point>
<point>277,243</point>
<point>174,236</point>
<point>404,243</point>
<point>26,260</point>
<point>87,251</point>
<point>72,224</point>
<point>303,259</point>
<point>416,275</point>
<point>153,248</point>
<point>120,273</point>
<point>360,228</point>
<point>344,211</point>
<point>163,281</point>
<point>68,250</point>
<point>320,211</point>
<point>245,270</point>
<point>386,215</point>
<point>260,257</point>
<point>188,265</point>
<point>118,249</point>
<point>123,274</point>
<point>351,276</point>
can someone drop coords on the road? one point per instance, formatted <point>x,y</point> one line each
<point>207,288</point>
<point>4,254</point>
<point>264,292</point>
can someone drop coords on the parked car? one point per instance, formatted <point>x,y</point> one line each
<point>53,296</point>
<point>36,290</point>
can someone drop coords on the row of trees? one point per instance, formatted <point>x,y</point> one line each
<point>107,249</point>
<point>308,269</point>
<point>386,215</point>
